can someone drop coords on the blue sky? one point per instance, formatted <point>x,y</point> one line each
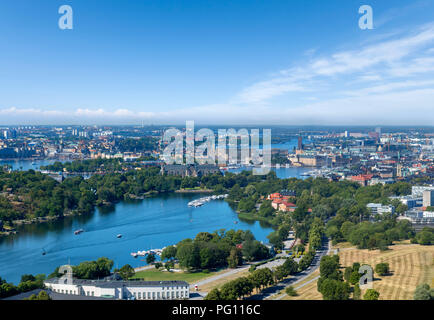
<point>217,62</point>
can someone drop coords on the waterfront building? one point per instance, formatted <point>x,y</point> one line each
<point>122,290</point>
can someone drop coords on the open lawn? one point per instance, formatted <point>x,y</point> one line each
<point>159,275</point>
<point>220,282</point>
<point>410,265</point>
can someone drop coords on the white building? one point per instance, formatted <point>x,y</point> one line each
<point>410,201</point>
<point>428,214</point>
<point>378,208</point>
<point>123,290</point>
<point>417,191</point>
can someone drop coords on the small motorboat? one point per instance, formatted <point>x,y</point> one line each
<point>44,252</point>
<point>77,232</point>
<point>119,236</point>
<point>235,222</point>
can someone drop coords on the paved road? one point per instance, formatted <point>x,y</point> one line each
<point>222,275</point>
<point>271,291</point>
<point>143,268</point>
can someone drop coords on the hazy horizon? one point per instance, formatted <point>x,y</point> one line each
<point>269,62</point>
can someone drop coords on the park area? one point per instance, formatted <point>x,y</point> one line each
<point>410,265</point>
<point>164,275</point>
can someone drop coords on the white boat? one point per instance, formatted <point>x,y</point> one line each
<point>199,202</point>
<point>119,236</point>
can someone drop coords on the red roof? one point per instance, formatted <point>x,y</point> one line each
<point>362,177</point>
<point>288,204</point>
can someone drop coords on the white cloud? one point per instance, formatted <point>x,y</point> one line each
<point>388,81</point>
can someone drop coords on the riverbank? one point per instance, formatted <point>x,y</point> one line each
<point>194,191</point>
<point>155,222</point>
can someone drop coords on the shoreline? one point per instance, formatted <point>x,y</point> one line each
<point>194,191</point>
<point>38,220</point>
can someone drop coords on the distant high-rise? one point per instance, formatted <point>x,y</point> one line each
<point>428,198</point>
<point>378,130</point>
<point>300,143</point>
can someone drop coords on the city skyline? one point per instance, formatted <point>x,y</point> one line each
<point>270,63</point>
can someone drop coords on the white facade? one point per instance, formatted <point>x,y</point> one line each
<point>378,208</point>
<point>136,290</point>
<point>417,191</point>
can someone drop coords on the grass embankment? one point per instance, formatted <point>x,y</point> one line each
<point>220,282</point>
<point>410,265</point>
<point>194,190</point>
<point>255,217</point>
<point>306,290</point>
<point>160,275</point>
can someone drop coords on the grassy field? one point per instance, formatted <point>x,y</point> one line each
<point>159,275</point>
<point>410,266</point>
<point>219,282</point>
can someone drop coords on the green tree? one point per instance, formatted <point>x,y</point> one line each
<point>158,265</point>
<point>290,266</point>
<point>329,267</point>
<point>235,258</point>
<point>150,258</point>
<point>169,253</point>
<point>357,292</point>
<point>371,294</point>
<point>290,291</point>
<point>332,289</point>
<point>382,269</point>
<point>41,296</point>
<point>169,265</point>
<point>261,278</point>
<point>214,294</point>
<point>126,272</point>
<point>423,292</point>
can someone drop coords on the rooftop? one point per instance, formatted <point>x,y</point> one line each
<point>118,283</point>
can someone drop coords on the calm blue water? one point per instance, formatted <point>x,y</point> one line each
<point>151,223</point>
<point>27,164</point>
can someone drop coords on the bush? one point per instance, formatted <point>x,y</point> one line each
<point>290,291</point>
<point>423,292</point>
<point>371,294</point>
<point>357,292</point>
<point>382,269</point>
